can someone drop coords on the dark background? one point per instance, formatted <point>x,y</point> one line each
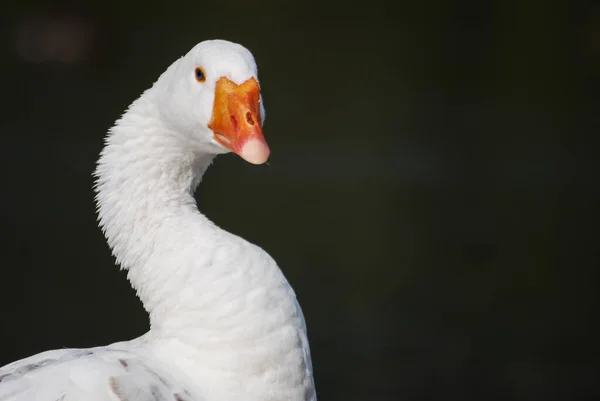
<point>431,194</point>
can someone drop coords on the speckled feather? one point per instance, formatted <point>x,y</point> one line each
<point>224,322</point>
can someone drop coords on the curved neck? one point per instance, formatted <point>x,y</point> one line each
<point>217,303</point>
<point>146,177</point>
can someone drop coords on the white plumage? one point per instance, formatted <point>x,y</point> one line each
<point>224,322</point>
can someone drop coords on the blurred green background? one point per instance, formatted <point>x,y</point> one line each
<point>431,194</point>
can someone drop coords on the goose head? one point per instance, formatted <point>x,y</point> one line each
<point>212,96</point>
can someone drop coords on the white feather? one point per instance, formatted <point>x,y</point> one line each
<point>224,322</point>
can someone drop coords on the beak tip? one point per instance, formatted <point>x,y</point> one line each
<point>255,151</point>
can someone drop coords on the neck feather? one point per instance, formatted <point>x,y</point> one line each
<point>146,176</point>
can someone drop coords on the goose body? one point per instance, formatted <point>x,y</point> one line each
<point>224,322</point>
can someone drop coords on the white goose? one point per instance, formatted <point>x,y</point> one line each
<point>224,322</point>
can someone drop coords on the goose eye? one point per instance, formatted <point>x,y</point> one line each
<point>200,76</point>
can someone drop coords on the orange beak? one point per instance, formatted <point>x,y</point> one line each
<point>236,120</point>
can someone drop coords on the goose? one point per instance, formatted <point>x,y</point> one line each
<point>224,322</point>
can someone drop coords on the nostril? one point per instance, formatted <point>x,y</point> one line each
<point>249,118</point>
<point>234,123</point>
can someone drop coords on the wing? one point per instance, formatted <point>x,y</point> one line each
<point>96,374</point>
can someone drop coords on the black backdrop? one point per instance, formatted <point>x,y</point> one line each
<point>431,194</point>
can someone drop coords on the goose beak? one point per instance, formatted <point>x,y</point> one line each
<point>236,120</point>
